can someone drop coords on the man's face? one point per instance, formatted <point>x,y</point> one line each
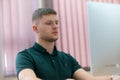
<point>48,28</point>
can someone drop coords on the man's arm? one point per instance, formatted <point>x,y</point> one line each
<point>81,74</point>
<point>27,74</point>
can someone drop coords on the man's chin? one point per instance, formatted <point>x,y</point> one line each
<point>52,40</point>
<point>55,39</point>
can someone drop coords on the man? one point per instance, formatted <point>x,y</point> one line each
<point>43,60</point>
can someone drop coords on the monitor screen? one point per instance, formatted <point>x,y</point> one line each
<point>104,36</point>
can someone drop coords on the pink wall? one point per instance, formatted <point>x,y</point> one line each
<point>17,30</point>
<point>74,28</point>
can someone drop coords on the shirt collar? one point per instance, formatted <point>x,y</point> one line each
<point>43,50</point>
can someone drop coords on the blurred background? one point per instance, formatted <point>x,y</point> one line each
<point>16,30</point>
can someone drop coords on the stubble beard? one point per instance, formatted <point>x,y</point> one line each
<point>49,39</point>
<point>52,40</point>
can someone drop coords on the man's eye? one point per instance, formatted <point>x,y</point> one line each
<point>57,23</point>
<point>48,23</point>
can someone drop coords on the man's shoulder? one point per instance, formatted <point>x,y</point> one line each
<point>22,51</point>
<point>25,51</point>
<point>65,54</point>
<point>25,54</point>
<point>62,53</point>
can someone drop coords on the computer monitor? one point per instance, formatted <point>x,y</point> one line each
<point>104,36</point>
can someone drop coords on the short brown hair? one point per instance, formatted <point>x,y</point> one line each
<point>42,11</point>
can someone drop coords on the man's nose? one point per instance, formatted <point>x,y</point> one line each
<point>55,25</point>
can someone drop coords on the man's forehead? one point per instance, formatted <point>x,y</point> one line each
<point>49,17</point>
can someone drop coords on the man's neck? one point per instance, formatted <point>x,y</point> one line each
<point>49,46</point>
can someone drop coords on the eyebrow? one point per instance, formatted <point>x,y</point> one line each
<point>52,20</point>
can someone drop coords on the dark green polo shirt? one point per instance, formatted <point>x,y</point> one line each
<point>55,66</point>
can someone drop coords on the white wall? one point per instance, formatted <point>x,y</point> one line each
<point>10,78</point>
<point>104,29</point>
<point>0,42</point>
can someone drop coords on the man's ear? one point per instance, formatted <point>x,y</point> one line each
<point>35,28</point>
